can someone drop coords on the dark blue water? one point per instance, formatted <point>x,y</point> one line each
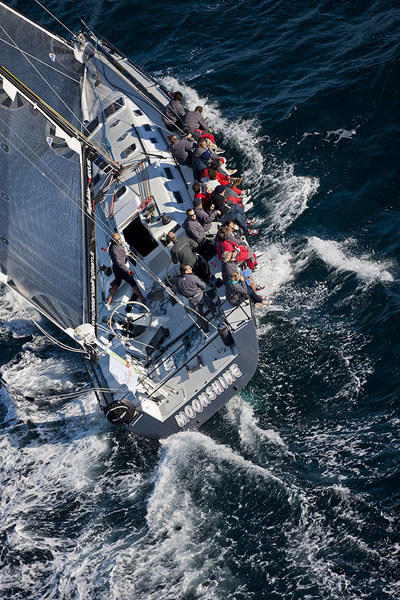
<point>292,491</point>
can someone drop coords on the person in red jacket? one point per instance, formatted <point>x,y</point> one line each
<point>226,244</point>
<point>202,195</point>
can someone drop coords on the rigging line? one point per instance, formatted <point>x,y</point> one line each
<point>137,95</point>
<point>55,117</point>
<point>83,85</point>
<point>108,145</point>
<point>46,333</point>
<point>44,79</point>
<point>54,17</point>
<point>70,190</point>
<point>109,232</point>
<point>41,172</point>
<point>66,396</point>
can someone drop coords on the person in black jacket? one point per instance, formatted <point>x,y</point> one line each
<point>183,252</point>
<point>231,212</point>
<point>205,218</point>
<point>120,268</point>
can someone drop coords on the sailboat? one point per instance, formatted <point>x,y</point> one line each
<point>84,154</point>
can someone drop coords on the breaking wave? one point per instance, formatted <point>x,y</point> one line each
<point>340,256</point>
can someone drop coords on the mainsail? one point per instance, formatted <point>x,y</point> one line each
<point>43,62</point>
<point>42,189</point>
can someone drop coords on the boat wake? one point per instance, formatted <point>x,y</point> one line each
<point>341,256</point>
<point>288,197</point>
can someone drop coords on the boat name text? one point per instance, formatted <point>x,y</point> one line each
<point>216,387</point>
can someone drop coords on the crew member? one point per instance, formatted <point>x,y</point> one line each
<point>182,252</point>
<point>195,123</point>
<point>120,268</point>
<point>174,113</point>
<point>204,217</point>
<point>182,149</point>
<point>237,290</point>
<point>195,231</point>
<point>193,288</point>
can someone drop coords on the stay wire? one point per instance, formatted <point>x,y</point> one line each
<point>54,17</point>
<point>66,396</point>
<point>143,98</point>
<point>80,83</point>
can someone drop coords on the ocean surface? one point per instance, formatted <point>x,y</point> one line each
<point>292,491</point>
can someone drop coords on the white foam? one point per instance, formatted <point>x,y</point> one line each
<point>339,256</point>
<point>242,134</point>
<point>241,414</point>
<point>337,134</point>
<point>290,193</point>
<point>306,545</point>
<point>15,314</point>
<point>341,134</point>
<point>34,375</point>
<point>176,558</point>
<point>289,198</point>
<point>275,268</point>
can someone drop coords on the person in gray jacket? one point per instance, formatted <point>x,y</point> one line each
<point>195,231</point>
<point>237,290</point>
<point>205,218</point>
<point>182,149</point>
<point>182,250</point>
<point>193,288</point>
<point>194,122</point>
<point>174,113</point>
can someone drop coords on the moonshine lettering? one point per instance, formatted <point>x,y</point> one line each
<point>190,412</point>
<point>228,378</point>
<point>217,387</point>
<point>221,381</point>
<point>181,419</point>
<point>203,399</point>
<point>211,392</point>
<point>211,395</point>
